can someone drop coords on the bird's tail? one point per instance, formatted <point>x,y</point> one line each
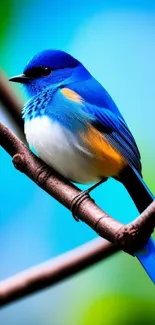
<point>138,190</point>
<point>142,197</point>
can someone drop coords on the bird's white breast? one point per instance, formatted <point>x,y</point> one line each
<point>60,149</point>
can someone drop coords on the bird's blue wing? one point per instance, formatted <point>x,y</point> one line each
<point>108,119</point>
<point>116,132</point>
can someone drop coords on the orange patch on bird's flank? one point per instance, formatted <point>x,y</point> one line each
<point>108,161</point>
<point>72,95</point>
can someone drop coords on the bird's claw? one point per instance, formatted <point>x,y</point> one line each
<point>78,199</point>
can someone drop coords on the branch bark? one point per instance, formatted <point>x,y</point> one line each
<point>53,271</point>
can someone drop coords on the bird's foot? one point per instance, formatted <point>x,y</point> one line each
<point>78,199</point>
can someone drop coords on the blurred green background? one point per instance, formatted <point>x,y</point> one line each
<point>115,40</point>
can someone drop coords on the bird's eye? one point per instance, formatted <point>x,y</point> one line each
<point>45,71</point>
<point>37,72</point>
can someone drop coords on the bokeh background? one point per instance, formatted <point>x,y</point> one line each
<point>115,40</point>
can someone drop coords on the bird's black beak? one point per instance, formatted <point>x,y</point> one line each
<point>22,78</point>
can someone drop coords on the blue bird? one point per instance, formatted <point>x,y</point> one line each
<point>75,127</point>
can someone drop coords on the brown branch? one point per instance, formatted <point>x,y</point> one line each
<point>129,237</point>
<point>53,271</point>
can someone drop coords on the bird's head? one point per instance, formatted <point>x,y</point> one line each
<point>47,68</point>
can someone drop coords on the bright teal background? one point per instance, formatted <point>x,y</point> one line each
<point>116,41</point>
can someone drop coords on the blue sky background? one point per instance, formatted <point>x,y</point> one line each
<point>115,41</point>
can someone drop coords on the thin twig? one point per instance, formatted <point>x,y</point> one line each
<point>53,271</point>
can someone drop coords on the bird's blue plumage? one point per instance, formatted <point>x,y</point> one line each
<point>54,59</point>
<point>67,101</point>
<point>108,119</point>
